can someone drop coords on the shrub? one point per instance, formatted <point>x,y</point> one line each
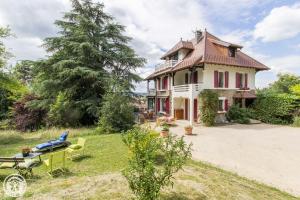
<point>275,108</point>
<point>237,114</point>
<point>116,113</point>
<point>208,106</point>
<point>26,118</point>
<point>153,161</point>
<point>296,122</point>
<point>62,113</point>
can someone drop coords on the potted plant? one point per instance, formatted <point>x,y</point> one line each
<point>26,151</point>
<point>165,130</point>
<point>188,130</point>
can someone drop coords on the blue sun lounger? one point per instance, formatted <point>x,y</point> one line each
<point>52,144</point>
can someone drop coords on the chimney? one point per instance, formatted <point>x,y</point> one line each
<point>198,35</point>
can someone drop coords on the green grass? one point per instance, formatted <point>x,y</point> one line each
<point>98,175</point>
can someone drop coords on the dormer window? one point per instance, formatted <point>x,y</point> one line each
<point>231,51</point>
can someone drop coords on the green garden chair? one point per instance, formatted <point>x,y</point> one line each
<point>76,150</point>
<point>56,162</point>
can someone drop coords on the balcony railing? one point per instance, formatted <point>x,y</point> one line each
<point>186,90</point>
<point>168,63</point>
<point>151,92</point>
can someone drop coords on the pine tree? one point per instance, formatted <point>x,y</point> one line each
<point>89,49</point>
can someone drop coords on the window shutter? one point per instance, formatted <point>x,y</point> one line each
<point>168,106</point>
<point>237,80</point>
<point>226,104</point>
<point>216,79</point>
<point>226,79</point>
<point>166,84</point>
<point>195,78</point>
<point>246,81</point>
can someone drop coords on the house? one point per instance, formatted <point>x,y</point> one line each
<point>204,62</point>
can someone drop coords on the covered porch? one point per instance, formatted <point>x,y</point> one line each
<point>185,109</point>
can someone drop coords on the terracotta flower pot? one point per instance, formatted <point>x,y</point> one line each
<point>188,130</point>
<point>164,133</point>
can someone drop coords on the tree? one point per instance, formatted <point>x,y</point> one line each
<point>91,47</point>
<point>295,89</point>
<point>284,83</point>
<point>153,161</point>
<point>23,71</point>
<point>4,55</point>
<point>117,110</point>
<point>25,117</point>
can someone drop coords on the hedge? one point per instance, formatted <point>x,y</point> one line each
<point>275,108</point>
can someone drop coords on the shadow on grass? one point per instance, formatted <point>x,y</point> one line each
<point>80,158</point>
<point>62,173</point>
<point>180,196</point>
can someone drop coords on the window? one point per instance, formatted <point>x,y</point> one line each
<point>186,78</point>
<point>165,83</point>
<point>223,104</point>
<point>221,79</point>
<point>231,51</point>
<point>241,80</point>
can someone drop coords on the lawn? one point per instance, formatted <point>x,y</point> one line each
<point>98,175</point>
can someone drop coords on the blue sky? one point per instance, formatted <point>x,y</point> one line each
<point>269,30</point>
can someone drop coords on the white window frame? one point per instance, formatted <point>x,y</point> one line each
<point>223,104</point>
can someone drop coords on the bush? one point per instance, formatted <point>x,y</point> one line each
<point>275,108</point>
<point>26,118</point>
<point>116,113</point>
<point>208,107</point>
<point>296,122</point>
<point>153,161</point>
<point>62,113</point>
<point>238,115</point>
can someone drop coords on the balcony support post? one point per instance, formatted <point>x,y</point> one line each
<point>191,105</point>
<point>148,86</point>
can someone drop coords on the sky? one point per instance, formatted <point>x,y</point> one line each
<point>268,30</point>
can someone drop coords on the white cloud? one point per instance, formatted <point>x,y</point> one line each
<point>290,64</point>
<point>282,23</point>
<point>156,26</point>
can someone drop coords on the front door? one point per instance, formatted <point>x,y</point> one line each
<point>195,109</point>
<point>186,109</point>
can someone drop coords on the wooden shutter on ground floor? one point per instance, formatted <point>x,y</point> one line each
<point>168,105</point>
<point>226,104</point>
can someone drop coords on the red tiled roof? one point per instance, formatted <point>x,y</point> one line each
<point>207,51</point>
<point>157,73</point>
<point>180,45</point>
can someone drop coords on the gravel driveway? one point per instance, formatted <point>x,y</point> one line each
<point>266,153</point>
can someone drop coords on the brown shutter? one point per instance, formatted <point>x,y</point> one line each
<point>246,81</point>
<point>226,104</point>
<point>216,79</point>
<point>226,79</point>
<point>237,80</point>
